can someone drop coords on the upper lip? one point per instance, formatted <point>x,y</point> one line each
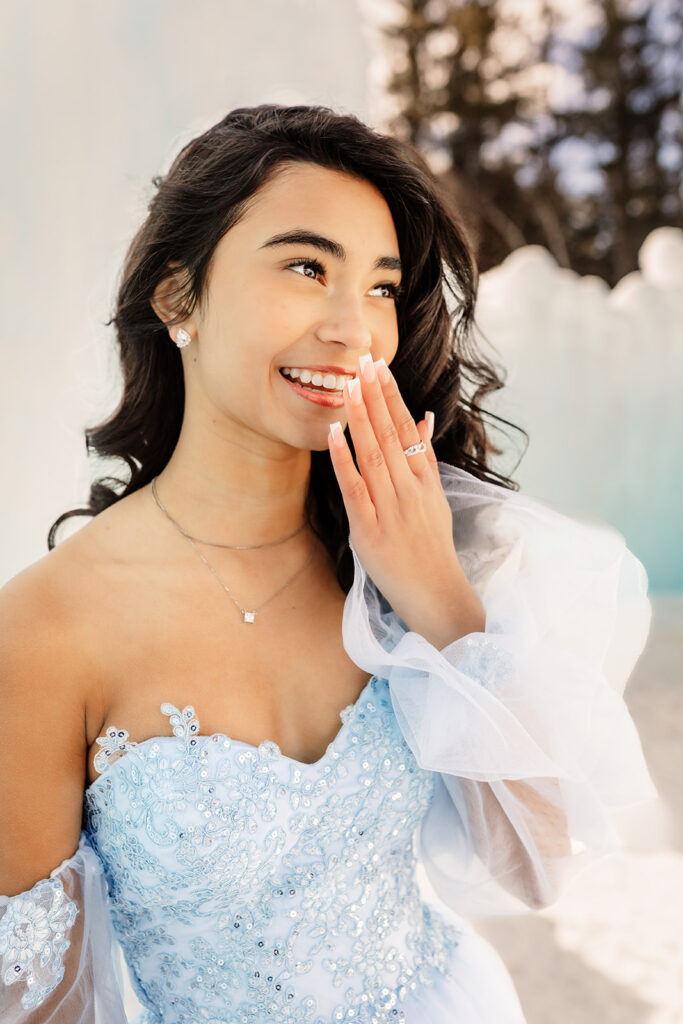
<point>321,369</point>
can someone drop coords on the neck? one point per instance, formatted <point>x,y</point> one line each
<point>243,497</point>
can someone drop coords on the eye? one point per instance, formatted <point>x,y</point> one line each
<point>318,267</point>
<point>395,290</point>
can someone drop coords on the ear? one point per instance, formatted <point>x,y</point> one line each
<point>164,300</point>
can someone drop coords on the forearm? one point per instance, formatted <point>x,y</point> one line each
<point>444,612</point>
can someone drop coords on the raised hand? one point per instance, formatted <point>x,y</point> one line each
<point>400,521</point>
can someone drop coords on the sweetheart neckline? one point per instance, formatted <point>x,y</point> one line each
<point>240,743</point>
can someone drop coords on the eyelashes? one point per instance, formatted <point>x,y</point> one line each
<point>396,289</point>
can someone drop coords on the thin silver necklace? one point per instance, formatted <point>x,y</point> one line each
<point>247,616</point>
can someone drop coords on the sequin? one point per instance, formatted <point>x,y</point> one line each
<point>245,885</point>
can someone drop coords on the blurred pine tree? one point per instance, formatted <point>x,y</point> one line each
<point>551,124</point>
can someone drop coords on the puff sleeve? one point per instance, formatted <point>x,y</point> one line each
<point>525,723</point>
<point>57,950</point>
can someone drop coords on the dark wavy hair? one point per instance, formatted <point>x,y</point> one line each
<point>205,192</point>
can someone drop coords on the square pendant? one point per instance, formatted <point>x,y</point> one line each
<point>248,616</point>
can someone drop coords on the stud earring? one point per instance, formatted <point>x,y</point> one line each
<point>182,338</point>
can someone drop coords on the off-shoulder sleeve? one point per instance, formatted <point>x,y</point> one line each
<point>57,950</point>
<point>525,723</point>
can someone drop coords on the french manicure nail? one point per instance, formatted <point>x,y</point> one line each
<point>367,367</point>
<point>354,392</point>
<point>382,370</point>
<point>429,416</point>
<point>337,433</point>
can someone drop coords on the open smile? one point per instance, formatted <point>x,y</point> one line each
<point>332,399</point>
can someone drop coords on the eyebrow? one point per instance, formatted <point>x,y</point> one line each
<point>301,236</point>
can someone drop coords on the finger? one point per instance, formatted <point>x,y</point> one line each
<point>369,455</point>
<point>402,419</point>
<point>359,507</point>
<point>429,454</point>
<point>393,434</point>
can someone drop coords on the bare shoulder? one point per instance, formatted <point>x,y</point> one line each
<point>36,603</point>
<point>40,627</point>
<point>53,591</point>
<point>50,616</point>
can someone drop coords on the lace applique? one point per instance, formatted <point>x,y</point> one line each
<point>185,724</point>
<point>115,742</point>
<point>244,884</point>
<point>33,939</point>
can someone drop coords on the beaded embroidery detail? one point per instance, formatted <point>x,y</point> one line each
<point>245,885</point>
<point>114,743</point>
<point>185,724</point>
<point>33,939</point>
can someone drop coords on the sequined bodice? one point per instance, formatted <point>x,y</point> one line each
<point>248,886</point>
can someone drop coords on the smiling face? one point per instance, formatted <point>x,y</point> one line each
<point>271,304</point>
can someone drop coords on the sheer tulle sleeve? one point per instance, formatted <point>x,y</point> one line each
<point>57,951</point>
<point>525,723</point>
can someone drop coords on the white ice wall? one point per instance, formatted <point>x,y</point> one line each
<point>595,376</point>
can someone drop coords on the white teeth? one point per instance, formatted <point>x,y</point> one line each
<point>329,381</point>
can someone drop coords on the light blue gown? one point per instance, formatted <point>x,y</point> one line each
<point>242,885</point>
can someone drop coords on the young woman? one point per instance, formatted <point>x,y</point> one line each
<point>310,627</point>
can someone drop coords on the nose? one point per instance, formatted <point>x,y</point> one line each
<point>346,325</point>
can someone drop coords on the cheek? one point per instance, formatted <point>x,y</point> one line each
<point>387,347</point>
<point>282,318</point>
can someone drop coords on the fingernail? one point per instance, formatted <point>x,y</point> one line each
<point>429,416</point>
<point>367,367</point>
<point>354,392</point>
<point>382,370</point>
<point>337,433</point>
